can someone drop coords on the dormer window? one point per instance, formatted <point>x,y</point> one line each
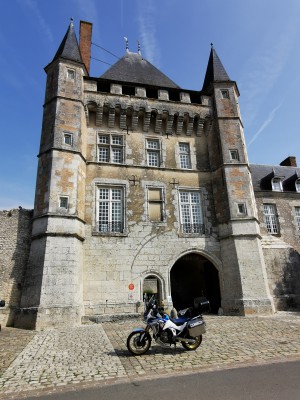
<point>277,184</point>
<point>297,184</point>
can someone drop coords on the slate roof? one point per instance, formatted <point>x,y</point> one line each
<point>133,68</point>
<point>69,48</point>
<point>262,176</point>
<point>215,70</point>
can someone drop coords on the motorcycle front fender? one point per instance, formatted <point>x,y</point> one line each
<point>140,330</point>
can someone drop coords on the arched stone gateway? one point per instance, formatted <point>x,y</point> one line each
<point>192,276</point>
<point>152,287</point>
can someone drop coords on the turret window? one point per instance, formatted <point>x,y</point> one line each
<point>297,184</point>
<point>242,210</point>
<point>64,202</point>
<point>68,139</point>
<point>225,94</point>
<point>71,74</point>
<point>234,155</point>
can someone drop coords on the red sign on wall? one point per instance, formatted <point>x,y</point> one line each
<point>131,286</point>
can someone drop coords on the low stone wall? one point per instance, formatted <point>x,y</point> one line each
<point>15,240</point>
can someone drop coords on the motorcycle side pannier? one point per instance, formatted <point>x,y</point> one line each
<point>196,327</point>
<point>202,304</point>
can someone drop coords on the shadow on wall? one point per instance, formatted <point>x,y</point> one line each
<point>287,289</point>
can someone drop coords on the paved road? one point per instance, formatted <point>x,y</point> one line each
<point>60,360</point>
<point>269,382</point>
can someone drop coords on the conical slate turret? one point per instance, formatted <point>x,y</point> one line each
<point>215,70</point>
<point>69,48</point>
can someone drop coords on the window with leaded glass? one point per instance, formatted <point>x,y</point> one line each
<point>110,148</point>
<point>297,213</point>
<point>184,155</point>
<point>110,209</point>
<point>153,152</point>
<point>271,218</point>
<point>155,204</point>
<point>191,212</point>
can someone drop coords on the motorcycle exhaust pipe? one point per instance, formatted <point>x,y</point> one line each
<point>191,341</point>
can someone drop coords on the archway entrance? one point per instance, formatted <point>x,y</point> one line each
<point>194,276</point>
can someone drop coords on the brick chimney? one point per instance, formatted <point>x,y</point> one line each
<point>85,39</point>
<point>289,162</point>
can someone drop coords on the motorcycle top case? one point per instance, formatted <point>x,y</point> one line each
<point>202,304</point>
<point>196,327</point>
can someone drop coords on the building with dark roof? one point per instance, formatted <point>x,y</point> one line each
<point>144,187</point>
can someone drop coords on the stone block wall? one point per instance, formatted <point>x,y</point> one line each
<point>15,240</point>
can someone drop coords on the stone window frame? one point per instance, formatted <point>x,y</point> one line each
<point>110,232</point>
<point>194,229</point>
<point>157,151</point>
<point>271,219</point>
<point>62,199</point>
<point>70,136</point>
<point>160,201</point>
<point>187,154</point>
<point>242,209</point>
<point>110,147</point>
<point>234,155</point>
<point>225,94</point>
<point>71,74</point>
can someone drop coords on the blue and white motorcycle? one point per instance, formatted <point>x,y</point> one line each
<point>187,329</point>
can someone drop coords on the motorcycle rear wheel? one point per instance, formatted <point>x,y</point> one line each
<point>193,346</point>
<point>138,343</point>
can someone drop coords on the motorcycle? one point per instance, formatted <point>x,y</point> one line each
<point>187,329</point>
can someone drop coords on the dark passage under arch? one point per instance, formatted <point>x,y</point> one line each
<point>193,276</point>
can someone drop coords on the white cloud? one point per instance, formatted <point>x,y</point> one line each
<point>265,124</point>
<point>147,28</point>
<point>41,20</point>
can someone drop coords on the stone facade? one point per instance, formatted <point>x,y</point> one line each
<point>140,185</point>
<point>15,240</point>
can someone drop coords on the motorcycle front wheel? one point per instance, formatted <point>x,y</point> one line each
<point>138,343</point>
<point>193,346</point>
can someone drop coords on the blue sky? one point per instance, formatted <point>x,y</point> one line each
<point>257,41</point>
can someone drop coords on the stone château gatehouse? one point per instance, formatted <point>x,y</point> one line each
<point>145,187</point>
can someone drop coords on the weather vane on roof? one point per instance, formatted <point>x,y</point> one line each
<point>127,46</point>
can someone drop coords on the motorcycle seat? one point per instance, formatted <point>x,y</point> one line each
<point>179,320</point>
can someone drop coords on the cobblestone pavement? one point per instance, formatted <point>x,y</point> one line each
<point>36,362</point>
